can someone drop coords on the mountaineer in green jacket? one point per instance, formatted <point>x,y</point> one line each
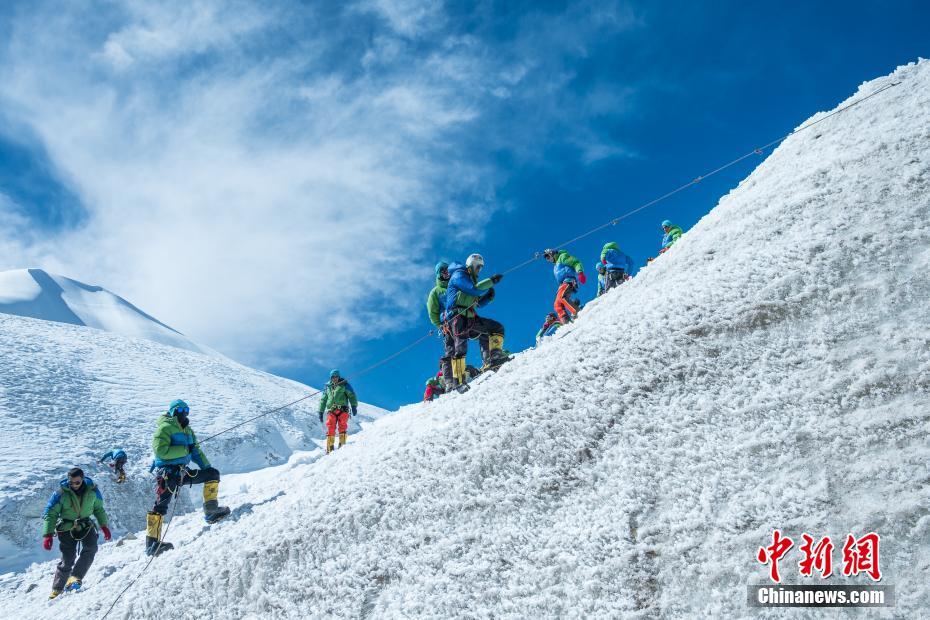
<point>435,306</point>
<point>568,272</point>
<point>338,399</point>
<point>672,234</point>
<point>68,514</point>
<point>175,446</point>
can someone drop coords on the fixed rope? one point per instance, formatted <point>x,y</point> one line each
<point>174,503</point>
<point>756,151</point>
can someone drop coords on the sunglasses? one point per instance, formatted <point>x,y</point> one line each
<point>182,410</point>
<point>76,482</point>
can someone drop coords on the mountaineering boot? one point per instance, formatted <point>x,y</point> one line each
<point>330,440</point>
<point>73,584</point>
<point>153,522</point>
<point>212,511</point>
<point>54,594</point>
<point>496,355</point>
<point>459,374</point>
<point>343,437</point>
<point>121,478</point>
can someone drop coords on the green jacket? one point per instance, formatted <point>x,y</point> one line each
<point>65,507</point>
<point>435,300</point>
<point>174,445</point>
<point>339,395</point>
<point>567,259</point>
<point>671,237</point>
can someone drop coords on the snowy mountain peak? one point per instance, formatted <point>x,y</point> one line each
<point>39,294</point>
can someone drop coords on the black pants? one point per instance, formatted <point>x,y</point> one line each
<point>448,352</point>
<point>118,465</point>
<point>67,567</point>
<point>476,327</point>
<point>615,277</point>
<point>171,480</point>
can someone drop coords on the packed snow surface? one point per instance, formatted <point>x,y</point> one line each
<point>69,394</point>
<point>770,371</point>
<point>41,295</point>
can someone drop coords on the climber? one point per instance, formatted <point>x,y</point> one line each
<point>175,446</point>
<point>601,278</point>
<point>119,459</point>
<point>672,234</point>
<point>619,265</point>
<point>435,306</point>
<point>550,325</point>
<point>68,515</point>
<point>568,272</point>
<point>434,387</point>
<point>337,401</point>
<point>464,295</point>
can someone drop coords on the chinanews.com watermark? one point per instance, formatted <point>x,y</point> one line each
<point>860,556</point>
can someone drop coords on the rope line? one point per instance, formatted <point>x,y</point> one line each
<point>360,373</point>
<point>756,151</point>
<point>161,538</point>
<point>612,222</point>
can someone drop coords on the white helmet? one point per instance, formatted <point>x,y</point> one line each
<point>475,262</point>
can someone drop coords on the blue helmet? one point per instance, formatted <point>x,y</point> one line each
<point>666,223</point>
<point>178,406</point>
<point>600,267</point>
<point>441,266</point>
<point>334,373</point>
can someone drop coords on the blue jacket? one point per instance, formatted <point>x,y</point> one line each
<point>615,259</point>
<point>563,272</point>
<point>460,282</point>
<point>114,454</point>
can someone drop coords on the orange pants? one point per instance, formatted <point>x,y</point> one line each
<point>334,417</point>
<point>562,305</point>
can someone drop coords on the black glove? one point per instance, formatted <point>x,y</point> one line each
<point>354,411</point>
<point>497,278</point>
<point>321,417</point>
<point>489,295</point>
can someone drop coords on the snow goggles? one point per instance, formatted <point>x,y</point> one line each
<point>182,411</point>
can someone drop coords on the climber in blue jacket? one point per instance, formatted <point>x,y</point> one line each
<point>119,458</point>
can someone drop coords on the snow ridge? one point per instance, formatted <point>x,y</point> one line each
<point>38,294</point>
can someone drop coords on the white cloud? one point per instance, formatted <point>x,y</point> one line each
<point>264,181</point>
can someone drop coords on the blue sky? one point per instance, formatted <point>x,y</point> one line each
<point>277,179</point>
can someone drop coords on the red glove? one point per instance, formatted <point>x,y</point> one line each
<point>106,532</point>
<point>582,278</point>
<point>47,542</point>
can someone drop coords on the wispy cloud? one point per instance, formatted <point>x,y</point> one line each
<point>269,179</point>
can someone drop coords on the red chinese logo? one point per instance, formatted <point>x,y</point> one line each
<point>860,555</point>
<point>774,552</point>
<point>819,557</point>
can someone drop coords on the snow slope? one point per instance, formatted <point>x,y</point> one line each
<point>68,394</point>
<point>41,295</point>
<point>771,371</point>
